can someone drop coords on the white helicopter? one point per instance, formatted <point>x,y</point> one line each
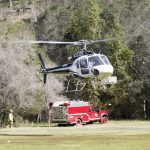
<point>84,64</point>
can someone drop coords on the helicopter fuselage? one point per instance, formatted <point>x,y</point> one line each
<point>87,66</point>
<point>93,65</point>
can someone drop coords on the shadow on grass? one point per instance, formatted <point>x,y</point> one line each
<point>26,135</point>
<point>70,125</point>
<point>62,125</point>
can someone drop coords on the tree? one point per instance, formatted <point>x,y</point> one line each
<point>10,3</point>
<point>141,75</point>
<point>85,22</point>
<point>121,58</point>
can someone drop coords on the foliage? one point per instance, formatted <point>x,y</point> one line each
<point>20,83</point>
<point>4,113</point>
<point>119,54</point>
<point>121,58</point>
<point>141,75</point>
<point>85,22</point>
<point>15,27</point>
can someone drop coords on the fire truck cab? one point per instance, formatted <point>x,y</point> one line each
<point>77,112</point>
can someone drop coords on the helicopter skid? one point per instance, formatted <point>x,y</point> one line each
<point>78,86</point>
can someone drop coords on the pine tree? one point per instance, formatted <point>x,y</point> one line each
<point>86,22</point>
<point>121,58</point>
<point>120,55</point>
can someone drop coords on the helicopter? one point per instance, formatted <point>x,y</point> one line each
<point>84,64</point>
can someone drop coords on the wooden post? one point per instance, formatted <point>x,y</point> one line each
<point>144,107</point>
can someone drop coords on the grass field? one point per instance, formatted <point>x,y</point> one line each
<point>116,135</point>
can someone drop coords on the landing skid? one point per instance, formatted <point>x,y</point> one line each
<point>77,86</point>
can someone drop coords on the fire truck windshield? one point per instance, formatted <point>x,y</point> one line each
<point>94,109</point>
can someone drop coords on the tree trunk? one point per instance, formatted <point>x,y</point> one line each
<point>10,3</point>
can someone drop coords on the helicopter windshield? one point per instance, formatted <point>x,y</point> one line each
<point>95,61</point>
<point>105,60</point>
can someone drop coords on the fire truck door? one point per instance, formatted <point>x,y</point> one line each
<point>93,113</point>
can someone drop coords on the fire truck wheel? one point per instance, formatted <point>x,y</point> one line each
<point>104,120</point>
<point>78,122</point>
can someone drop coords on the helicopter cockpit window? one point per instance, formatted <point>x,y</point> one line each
<point>83,63</point>
<point>105,60</point>
<point>95,61</point>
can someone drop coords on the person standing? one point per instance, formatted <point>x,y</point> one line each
<point>50,111</point>
<point>11,119</point>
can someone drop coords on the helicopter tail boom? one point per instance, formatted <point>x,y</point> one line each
<point>63,70</point>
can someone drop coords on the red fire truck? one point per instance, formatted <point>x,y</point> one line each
<point>77,112</point>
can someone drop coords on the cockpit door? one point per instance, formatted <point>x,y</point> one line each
<point>83,63</point>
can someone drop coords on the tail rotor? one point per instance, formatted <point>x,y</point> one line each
<point>44,78</point>
<point>43,68</point>
<point>41,62</point>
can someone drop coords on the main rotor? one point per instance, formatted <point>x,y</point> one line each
<point>83,50</point>
<point>75,43</point>
<point>84,43</point>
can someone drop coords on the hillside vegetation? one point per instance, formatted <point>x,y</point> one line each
<point>21,85</point>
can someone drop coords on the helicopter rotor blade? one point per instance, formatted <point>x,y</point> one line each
<point>75,43</point>
<point>49,42</point>
<point>100,40</point>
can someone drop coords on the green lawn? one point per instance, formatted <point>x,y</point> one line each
<point>116,135</point>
